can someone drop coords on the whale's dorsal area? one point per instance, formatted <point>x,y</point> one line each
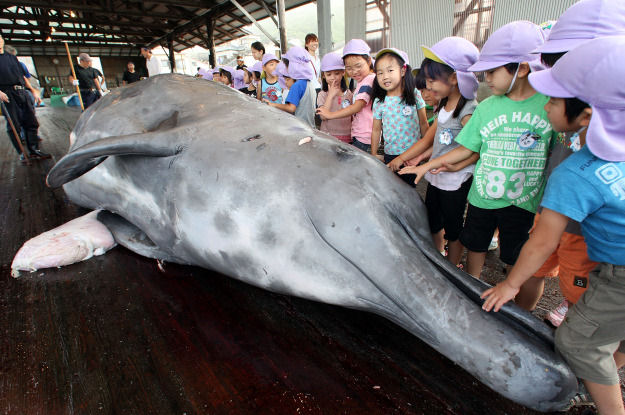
<point>197,173</point>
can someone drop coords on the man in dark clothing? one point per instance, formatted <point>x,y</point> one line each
<point>130,75</point>
<point>240,62</point>
<point>13,84</point>
<point>88,81</point>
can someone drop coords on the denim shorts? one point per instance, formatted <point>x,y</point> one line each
<point>359,144</point>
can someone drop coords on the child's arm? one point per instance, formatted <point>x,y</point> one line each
<point>342,113</point>
<point>376,132</point>
<point>543,240</point>
<point>456,155</point>
<point>288,107</point>
<point>423,121</point>
<point>458,166</point>
<point>416,149</point>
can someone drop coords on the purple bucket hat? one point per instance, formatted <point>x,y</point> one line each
<point>300,65</point>
<point>296,52</point>
<point>403,55</point>
<point>269,57</point>
<point>583,21</point>
<point>238,78</point>
<point>282,71</point>
<point>332,62</point>
<point>207,74</point>
<point>459,54</point>
<point>356,47</point>
<point>582,73</point>
<point>511,43</point>
<point>257,67</point>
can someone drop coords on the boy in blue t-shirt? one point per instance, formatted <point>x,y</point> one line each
<point>302,95</point>
<point>588,187</point>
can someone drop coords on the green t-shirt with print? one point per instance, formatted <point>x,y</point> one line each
<point>513,139</point>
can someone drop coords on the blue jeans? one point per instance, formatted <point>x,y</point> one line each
<point>359,144</point>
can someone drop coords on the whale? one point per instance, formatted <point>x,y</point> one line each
<point>193,172</point>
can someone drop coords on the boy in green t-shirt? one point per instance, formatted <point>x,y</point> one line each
<point>511,132</point>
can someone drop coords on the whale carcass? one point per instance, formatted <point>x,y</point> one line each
<point>196,173</point>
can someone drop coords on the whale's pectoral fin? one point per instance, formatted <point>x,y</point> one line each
<point>129,236</point>
<point>82,159</point>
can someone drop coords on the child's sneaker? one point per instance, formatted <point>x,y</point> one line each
<point>582,398</point>
<point>494,244</point>
<point>556,316</point>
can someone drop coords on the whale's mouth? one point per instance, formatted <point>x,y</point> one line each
<point>472,288</point>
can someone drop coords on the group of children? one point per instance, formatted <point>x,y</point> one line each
<point>558,100</point>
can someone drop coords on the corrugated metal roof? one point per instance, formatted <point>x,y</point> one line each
<point>119,27</point>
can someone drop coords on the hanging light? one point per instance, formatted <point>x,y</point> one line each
<point>72,14</point>
<point>52,29</point>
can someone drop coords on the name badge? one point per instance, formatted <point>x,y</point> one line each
<point>445,137</point>
<point>345,103</point>
<point>527,140</point>
<point>575,143</point>
<point>407,111</point>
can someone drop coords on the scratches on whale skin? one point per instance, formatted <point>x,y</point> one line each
<point>251,138</point>
<point>425,334</point>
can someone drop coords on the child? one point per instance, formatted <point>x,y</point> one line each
<point>589,187</point>
<point>397,107</point>
<point>570,261</point>
<point>301,99</point>
<point>334,96</point>
<point>227,76</point>
<point>216,75</point>
<point>269,89</point>
<point>512,134</point>
<point>359,67</point>
<point>445,69</point>
<point>248,86</point>
<point>283,72</point>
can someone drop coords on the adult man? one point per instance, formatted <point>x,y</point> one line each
<point>87,80</point>
<point>13,94</point>
<point>240,62</point>
<point>151,61</point>
<point>130,75</point>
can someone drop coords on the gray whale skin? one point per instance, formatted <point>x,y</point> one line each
<point>198,173</point>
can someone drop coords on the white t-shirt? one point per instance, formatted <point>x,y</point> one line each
<point>316,63</point>
<point>153,65</point>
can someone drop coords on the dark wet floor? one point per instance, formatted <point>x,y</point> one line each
<point>113,335</point>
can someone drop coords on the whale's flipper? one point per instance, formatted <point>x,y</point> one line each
<point>79,161</point>
<point>129,236</point>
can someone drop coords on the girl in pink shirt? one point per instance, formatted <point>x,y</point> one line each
<point>335,96</point>
<point>359,67</point>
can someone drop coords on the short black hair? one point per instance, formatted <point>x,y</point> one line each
<point>227,74</point>
<point>511,67</point>
<point>550,59</point>
<point>259,46</point>
<point>573,107</point>
<point>419,80</point>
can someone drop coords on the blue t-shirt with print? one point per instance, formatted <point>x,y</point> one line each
<point>591,191</point>
<point>400,122</point>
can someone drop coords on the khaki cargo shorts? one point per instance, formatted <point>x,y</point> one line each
<point>594,328</point>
